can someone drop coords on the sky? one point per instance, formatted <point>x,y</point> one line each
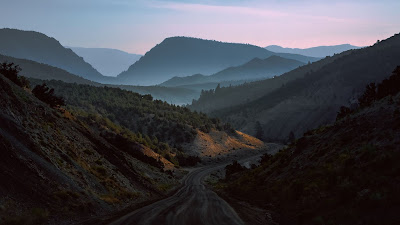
<point>136,26</point>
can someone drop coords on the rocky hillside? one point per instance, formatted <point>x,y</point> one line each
<point>345,173</point>
<point>55,164</point>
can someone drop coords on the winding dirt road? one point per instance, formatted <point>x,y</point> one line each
<point>193,204</point>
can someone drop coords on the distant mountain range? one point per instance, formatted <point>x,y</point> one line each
<point>319,51</point>
<point>43,49</point>
<point>183,56</point>
<point>109,62</point>
<point>255,69</point>
<point>303,98</point>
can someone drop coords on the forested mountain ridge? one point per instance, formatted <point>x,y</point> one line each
<point>344,173</point>
<point>314,99</point>
<point>254,69</point>
<point>38,47</point>
<point>32,69</point>
<point>183,56</point>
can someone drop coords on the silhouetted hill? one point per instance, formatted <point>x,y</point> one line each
<point>183,56</point>
<point>109,62</point>
<point>43,49</point>
<point>252,70</point>
<point>346,173</point>
<point>42,71</point>
<point>319,51</point>
<point>35,70</point>
<point>303,98</point>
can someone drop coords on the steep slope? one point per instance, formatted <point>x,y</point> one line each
<point>346,173</point>
<point>254,69</point>
<point>43,49</point>
<point>319,51</point>
<point>156,121</point>
<point>109,62</point>
<point>182,56</point>
<point>42,71</point>
<point>314,99</point>
<point>236,95</point>
<point>59,168</point>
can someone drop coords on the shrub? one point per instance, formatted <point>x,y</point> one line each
<point>46,95</point>
<point>11,71</point>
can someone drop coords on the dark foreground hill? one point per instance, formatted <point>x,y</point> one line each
<point>305,97</point>
<point>40,48</point>
<point>55,164</point>
<point>345,173</point>
<point>183,56</point>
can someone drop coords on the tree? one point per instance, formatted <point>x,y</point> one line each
<point>292,137</point>
<point>259,130</point>
<point>344,111</point>
<point>45,94</point>
<point>369,95</point>
<point>11,71</point>
<point>235,167</point>
<point>218,88</point>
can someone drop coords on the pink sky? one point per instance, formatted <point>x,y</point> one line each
<point>138,25</point>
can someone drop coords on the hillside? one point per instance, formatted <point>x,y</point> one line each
<point>55,164</point>
<point>158,121</point>
<point>42,71</point>
<point>252,70</point>
<point>109,62</point>
<point>182,56</point>
<point>40,48</point>
<point>345,173</point>
<point>309,100</point>
<point>319,51</point>
<point>105,150</point>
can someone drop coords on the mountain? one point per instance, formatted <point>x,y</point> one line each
<point>32,69</point>
<point>38,47</point>
<point>252,70</point>
<point>304,98</point>
<point>109,62</point>
<point>44,72</point>
<point>319,51</point>
<point>345,173</point>
<point>183,56</point>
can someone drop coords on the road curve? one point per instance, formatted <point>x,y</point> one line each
<point>193,204</point>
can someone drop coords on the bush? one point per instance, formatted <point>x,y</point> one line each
<point>11,71</point>
<point>46,95</point>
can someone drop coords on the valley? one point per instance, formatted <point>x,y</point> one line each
<point>172,112</point>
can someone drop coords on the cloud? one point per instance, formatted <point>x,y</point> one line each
<point>259,11</point>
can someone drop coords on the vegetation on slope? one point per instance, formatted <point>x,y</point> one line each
<point>54,164</point>
<point>161,125</point>
<point>347,173</point>
<point>313,99</point>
